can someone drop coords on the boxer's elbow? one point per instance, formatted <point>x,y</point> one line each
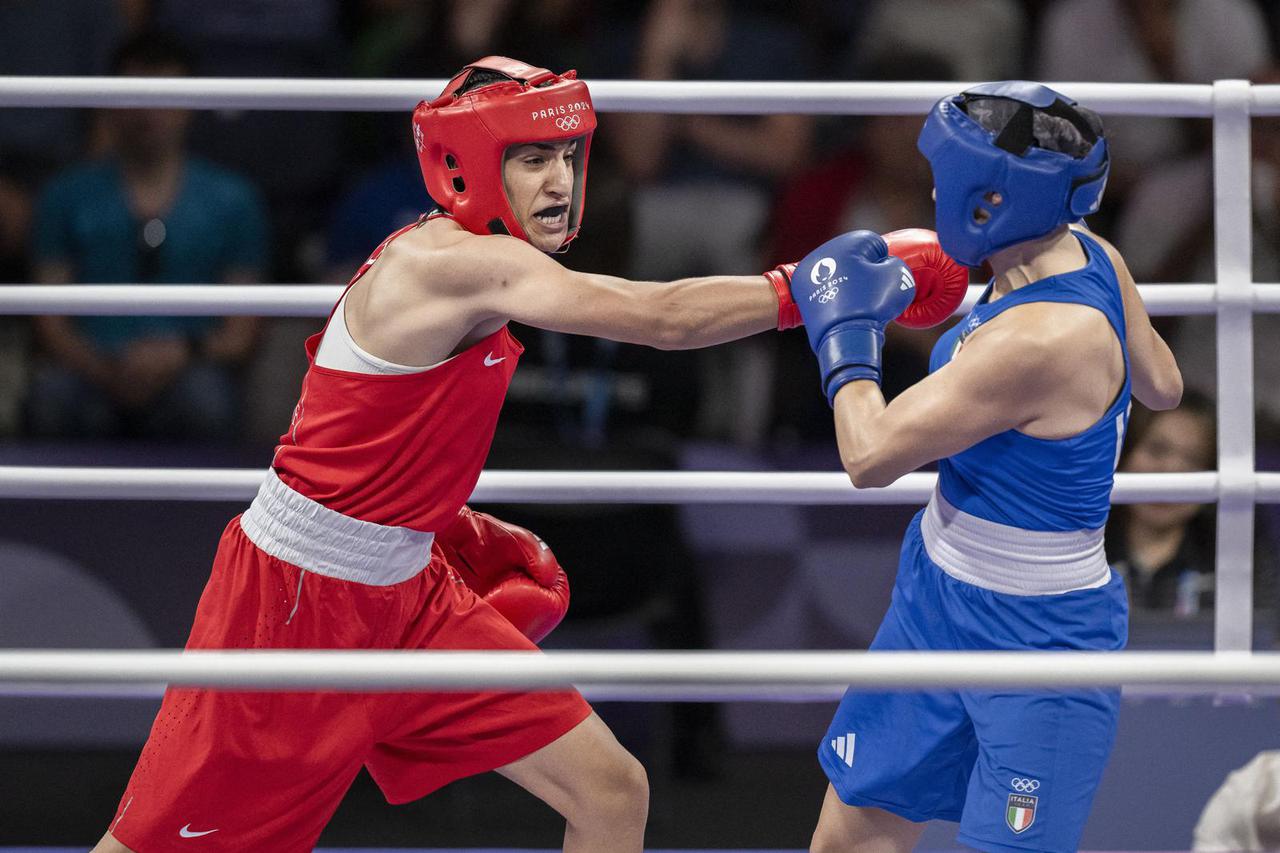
<point>868,469</point>
<point>1171,392</point>
<point>870,478</point>
<point>1161,392</point>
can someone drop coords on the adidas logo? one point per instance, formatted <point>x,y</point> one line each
<point>907,281</point>
<point>843,746</point>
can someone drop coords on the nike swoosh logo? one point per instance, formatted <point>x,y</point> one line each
<point>186,832</point>
<point>490,361</point>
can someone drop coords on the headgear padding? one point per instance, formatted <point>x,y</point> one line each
<point>1039,188</point>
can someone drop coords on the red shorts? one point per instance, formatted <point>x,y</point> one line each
<point>265,771</point>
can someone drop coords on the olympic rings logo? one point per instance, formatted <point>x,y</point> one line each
<point>569,122</point>
<point>827,295</point>
<point>1026,786</point>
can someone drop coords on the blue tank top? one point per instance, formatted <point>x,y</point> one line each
<point>1036,483</point>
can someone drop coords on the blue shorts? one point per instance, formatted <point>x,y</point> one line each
<point>1017,769</point>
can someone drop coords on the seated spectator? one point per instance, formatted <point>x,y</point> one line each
<point>1149,41</point>
<point>702,183</point>
<point>1165,231</point>
<point>1166,551</point>
<point>55,38</point>
<point>978,39</point>
<point>1244,813</point>
<point>382,201</point>
<point>294,157</point>
<point>51,38</point>
<point>147,213</point>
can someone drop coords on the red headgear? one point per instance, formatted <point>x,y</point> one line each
<point>462,138</point>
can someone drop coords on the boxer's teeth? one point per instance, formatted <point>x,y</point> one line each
<point>552,215</point>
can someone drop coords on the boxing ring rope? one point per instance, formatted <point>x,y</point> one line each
<point>1236,486</point>
<point>317,300</point>
<point>713,96</point>
<point>642,675</point>
<point>594,487</point>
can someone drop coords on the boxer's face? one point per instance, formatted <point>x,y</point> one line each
<point>539,181</point>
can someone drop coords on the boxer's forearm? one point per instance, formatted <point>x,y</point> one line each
<point>859,414</point>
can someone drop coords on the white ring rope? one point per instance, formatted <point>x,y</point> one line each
<point>317,300</point>
<point>627,693</point>
<point>743,672</point>
<point>673,96</point>
<point>587,487</point>
<point>174,300</point>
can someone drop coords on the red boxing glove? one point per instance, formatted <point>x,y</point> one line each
<point>941,283</point>
<point>510,568</point>
<point>788,313</point>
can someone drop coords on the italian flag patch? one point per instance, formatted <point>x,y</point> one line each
<point>1020,812</point>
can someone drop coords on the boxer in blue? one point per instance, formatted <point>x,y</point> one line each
<point>1025,410</point>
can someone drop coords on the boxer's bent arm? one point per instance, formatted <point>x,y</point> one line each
<point>1001,380</point>
<point>517,282</point>
<point>1156,379</point>
<point>1154,374</point>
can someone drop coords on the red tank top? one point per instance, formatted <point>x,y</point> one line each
<point>400,449</point>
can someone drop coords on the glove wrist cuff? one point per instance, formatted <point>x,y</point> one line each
<point>849,352</point>
<point>788,312</point>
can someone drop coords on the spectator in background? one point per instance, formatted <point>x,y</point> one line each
<point>147,213</point>
<point>1244,813</point>
<point>880,181</point>
<point>1149,41</point>
<point>384,200</point>
<point>39,37</point>
<point>1165,230</point>
<point>51,37</point>
<point>1165,552</point>
<point>976,39</point>
<point>702,183</point>
<point>295,157</point>
<point>15,219</point>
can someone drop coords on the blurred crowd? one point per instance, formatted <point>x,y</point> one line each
<point>220,196</point>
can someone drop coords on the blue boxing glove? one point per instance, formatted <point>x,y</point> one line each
<point>848,289</point>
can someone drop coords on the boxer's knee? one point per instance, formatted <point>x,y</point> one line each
<point>617,794</point>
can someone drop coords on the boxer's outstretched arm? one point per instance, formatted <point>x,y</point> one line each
<point>507,278</point>
<point>1003,378</point>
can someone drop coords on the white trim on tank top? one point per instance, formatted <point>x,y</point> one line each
<point>339,351</point>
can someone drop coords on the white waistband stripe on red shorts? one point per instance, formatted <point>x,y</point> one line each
<point>298,530</point>
<point>1009,559</point>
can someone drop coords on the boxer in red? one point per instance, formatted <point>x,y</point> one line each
<point>359,537</point>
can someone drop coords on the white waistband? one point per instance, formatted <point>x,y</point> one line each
<point>1008,559</point>
<point>298,530</point>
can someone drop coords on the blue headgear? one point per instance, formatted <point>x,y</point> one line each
<point>1039,189</point>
